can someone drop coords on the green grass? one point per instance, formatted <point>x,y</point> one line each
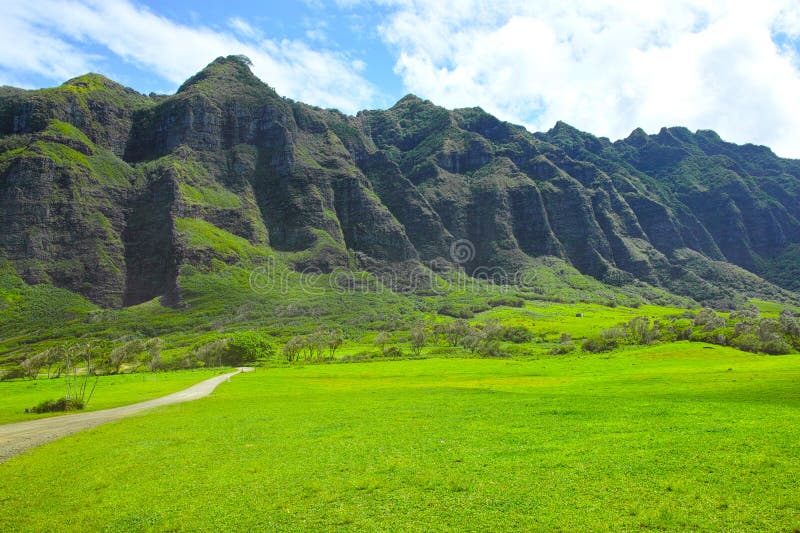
<point>551,320</point>
<point>211,196</point>
<point>682,436</point>
<point>202,235</point>
<point>772,309</point>
<point>111,391</point>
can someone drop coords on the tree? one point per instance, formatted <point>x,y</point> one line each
<point>211,353</point>
<point>333,340</point>
<point>243,59</point>
<point>418,338</point>
<point>78,368</point>
<point>455,331</point>
<point>381,340</point>
<point>33,365</point>
<point>769,330</point>
<point>790,327</point>
<point>709,319</point>
<point>291,350</point>
<point>153,349</point>
<point>246,347</point>
<point>124,353</point>
<point>472,340</point>
<point>639,330</point>
<point>54,360</point>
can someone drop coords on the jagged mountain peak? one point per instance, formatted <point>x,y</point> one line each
<point>225,76</point>
<point>92,81</point>
<point>409,99</point>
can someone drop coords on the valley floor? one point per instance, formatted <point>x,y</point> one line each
<point>669,437</point>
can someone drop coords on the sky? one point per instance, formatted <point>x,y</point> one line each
<point>603,66</point>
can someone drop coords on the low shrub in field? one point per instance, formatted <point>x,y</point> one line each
<point>516,334</point>
<point>394,352</point>
<point>456,311</point>
<point>56,406</point>
<point>776,347</point>
<point>747,343</point>
<point>562,349</point>
<point>15,372</point>
<point>599,344</point>
<point>508,301</point>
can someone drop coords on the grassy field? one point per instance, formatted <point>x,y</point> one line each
<point>670,437</point>
<point>111,391</point>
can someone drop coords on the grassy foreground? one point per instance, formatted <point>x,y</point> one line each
<point>111,391</point>
<point>675,436</point>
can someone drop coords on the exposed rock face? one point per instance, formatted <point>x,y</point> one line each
<point>108,192</point>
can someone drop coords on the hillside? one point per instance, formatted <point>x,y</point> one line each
<point>117,196</point>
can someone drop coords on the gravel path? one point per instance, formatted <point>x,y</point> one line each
<point>20,436</point>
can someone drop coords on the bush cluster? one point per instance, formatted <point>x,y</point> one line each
<point>743,329</point>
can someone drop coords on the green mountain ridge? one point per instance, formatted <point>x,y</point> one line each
<point>111,194</point>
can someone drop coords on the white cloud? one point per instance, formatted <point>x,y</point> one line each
<point>50,38</point>
<point>243,28</point>
<point>608,66</point>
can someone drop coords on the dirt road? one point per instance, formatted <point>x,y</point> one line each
<point>18,437</point>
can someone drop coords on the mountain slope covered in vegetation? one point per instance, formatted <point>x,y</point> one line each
<point>115,196</point>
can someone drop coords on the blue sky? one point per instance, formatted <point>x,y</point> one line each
<point>605,66</point>
<point>322,25</point>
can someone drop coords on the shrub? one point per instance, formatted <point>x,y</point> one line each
<point>600,344</point>
<point>393,351</point>
<point>33,365</point>
<point>418,338</point>
<point>562,349</point>
<point>517,334</point>
<point>747,343</point>
<point>124,353</point>
<point>291,350</point>
<point>381,340</point>
<point>211,354</point>
<point>15,372</point>
<point>508,301</point>
<point>606,341</point>
<point>776,347</point>
<point>456,311</point>
<point>479,308</point>
<point>452,332</point>
<point>56,406</point>
<point>639,330</point>
<point>246,347</point>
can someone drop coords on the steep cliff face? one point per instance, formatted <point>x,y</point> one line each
<point>109,193</point>
<point>61,211</point>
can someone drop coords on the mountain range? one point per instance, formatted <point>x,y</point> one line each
<point>109,193</point>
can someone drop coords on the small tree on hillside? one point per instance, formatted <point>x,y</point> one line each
<point>33,365</point>
<point>122,354</point>
<point>211,354</point>
<point>291,350</point>
<point>790,327</point>
<point>78,370</point>
<point>381,340</point>
<point>334,338</point>
<point>54,360</point>
<point>418,338</point>
<point>639,330</point>
<point>152,352</point>
<point>456,330</point>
